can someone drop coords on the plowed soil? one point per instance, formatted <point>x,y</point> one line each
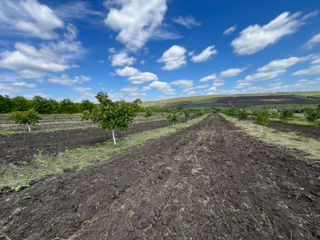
<point>306,131</point>
<point>20,148</point>
<point>208,181</point>
<point>247,101</point>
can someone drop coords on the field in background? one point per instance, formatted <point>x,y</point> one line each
<point>238,100</point>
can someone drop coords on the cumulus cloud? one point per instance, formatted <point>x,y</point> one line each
<point>122,59</point>
<point>216,83</point>
<point>64,79</point>
<point>230,30</point>
<point>135,21</point>
<point>24,84</point>
<point>85,93</point>
<point>163,87</point>
<point>313,41</point>
<point>272,70</point>
<point>312,70</point>
<point>30,17</point>
<point>32,62</point>
<point>255,37</point>
<point>174,57</point>
<point>208,78</point>
<point>188,21</point>
<point>232,72</point>
<point>183,83</point>
<point>205,54</point>
<point>133,91</point>
<point>135,76</point>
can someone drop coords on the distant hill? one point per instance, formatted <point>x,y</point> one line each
<point>239,100</point>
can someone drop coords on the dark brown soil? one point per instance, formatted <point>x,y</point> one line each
<point>306,131</point>
<point>20,148</point>
<point>247,101</point>
<point>209,181</point>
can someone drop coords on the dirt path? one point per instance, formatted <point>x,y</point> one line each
<point>20,148</point>
<point>209,181</point>
<point>306,131</point>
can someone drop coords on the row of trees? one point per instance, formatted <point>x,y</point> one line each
<point>42,105</point>
<point>262,117</point>
<point>108,114</point>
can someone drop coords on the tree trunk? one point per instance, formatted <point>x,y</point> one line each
<point>173,124</point>
<point>114,139</point>
<point>261,129</point>
<point>29,129</point>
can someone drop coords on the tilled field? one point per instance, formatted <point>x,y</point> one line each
<point>306,131</point>
<point>208,181</point>
<point>20,148</point>
<point>247,101</point>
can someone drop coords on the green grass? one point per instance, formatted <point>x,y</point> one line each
<point>14,177</point>
<point>295,122</point>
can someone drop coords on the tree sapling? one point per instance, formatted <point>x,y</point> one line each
<point>111,115</point>
<point>30,117</point>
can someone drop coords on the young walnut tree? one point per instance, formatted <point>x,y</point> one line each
<point>30,117</point>
<point>148,114</point>
<point>173,117</point>
<point>112,115</point>
<point>262,118</point>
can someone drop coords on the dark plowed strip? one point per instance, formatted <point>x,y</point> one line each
<point>209,181</point>
<point>306,131</point>
<point>20,148</point>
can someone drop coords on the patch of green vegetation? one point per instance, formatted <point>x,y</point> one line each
<point>14,177</point>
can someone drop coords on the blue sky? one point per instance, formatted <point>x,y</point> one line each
<point>158,49</point>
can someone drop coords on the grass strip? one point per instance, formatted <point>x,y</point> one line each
<point>288,140</point>
<point>14,177</point>
<point>294,122</point>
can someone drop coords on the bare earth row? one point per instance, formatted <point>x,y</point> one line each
<point>208,181</point>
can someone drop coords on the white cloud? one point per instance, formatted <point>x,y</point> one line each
<point>66,80</point>
<point>31,62</point>
<point>136,21</point>
<point>311,15</point>
<point>85,93</point>
<point>208,78</point>
<point>24,84</point>
<point>174,57</point>
<point>255,37</point>
<point>274,69</point>
<point>312,70</point>
<point>76,10</point>
<point>313,41</point>
<point>30,17</point>
<point>230,30</point>
<point>163,87</point>
<point>183,83</point>
<point>6,89</point>
<point>232,72</point>
<point>135,76</point>
<point>122,59</point>
<point>188,21</point>
<point>205,54</point>
<point>133,91</point>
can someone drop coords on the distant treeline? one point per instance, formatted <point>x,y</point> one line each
<point>42,105</point>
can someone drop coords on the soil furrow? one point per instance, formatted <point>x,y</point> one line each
<point>208,181</point>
